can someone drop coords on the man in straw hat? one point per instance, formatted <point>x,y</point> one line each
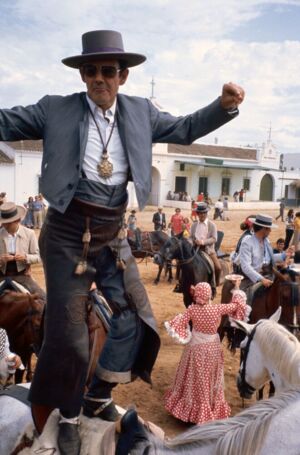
<point>204,235</point>
<point>94,142</point>
<point>256,255</point>
<point>18,248</point>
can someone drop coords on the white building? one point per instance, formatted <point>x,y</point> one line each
<point>214,169</point>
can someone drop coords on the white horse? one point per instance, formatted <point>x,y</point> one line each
<point>270,426</point>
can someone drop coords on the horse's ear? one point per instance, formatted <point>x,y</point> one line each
<point>241,325</point>
<point>276,316</point>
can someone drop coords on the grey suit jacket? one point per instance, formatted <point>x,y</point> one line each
<point>62,123</point>
<point>209,243</point>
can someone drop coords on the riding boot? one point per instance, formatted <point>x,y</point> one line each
<point>218,276</point>
<point>99,403</point>
<point>68,439</point>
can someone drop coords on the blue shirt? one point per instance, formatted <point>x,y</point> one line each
<point>255,253</point>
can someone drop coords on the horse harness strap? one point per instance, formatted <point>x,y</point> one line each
<point>244,355</point>
<point>18,392</point>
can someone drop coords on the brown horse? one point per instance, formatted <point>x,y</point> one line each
<point>284,292</point>
<point>21,316</point>
<point>151,243</point>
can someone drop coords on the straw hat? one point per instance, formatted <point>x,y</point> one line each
<point>10,212</point>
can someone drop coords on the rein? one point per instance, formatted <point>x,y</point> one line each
<point>243,384</point>
<point>188,260</point>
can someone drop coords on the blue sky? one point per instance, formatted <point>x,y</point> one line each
<point>192,48</point>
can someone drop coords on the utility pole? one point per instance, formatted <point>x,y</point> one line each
<point>152,83</point>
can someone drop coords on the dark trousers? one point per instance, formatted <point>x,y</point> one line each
<point>61,370</point>
<point>288,236</point>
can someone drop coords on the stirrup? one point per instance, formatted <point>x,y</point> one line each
<point>106,409</point>
<point>105,402</point>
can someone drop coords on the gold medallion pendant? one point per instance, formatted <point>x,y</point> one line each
<point>105,167</point>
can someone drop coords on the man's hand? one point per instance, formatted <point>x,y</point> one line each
<point>20,257</point>
<point>267,283</point>
<point>4,258</point>
<point>290,251</point>
<point>232,96</point>
<point>199,242</point>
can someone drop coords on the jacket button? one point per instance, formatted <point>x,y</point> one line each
<point>70,186</point>
<point>61,202</point>
<point>77,166</point>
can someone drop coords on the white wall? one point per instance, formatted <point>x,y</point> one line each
<point>25,176</point>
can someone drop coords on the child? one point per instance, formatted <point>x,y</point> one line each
<point>197,393</point>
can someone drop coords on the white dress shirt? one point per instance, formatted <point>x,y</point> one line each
<point>201,230</point>
<point>94,147</point>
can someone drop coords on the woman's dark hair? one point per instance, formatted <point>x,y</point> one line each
<point>290,212</point>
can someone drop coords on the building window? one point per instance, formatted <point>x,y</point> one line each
<point>180,184</point>
<point>246,184</point>
<point>225,190</point>
<point>203,185</point>
<point>182,166</point>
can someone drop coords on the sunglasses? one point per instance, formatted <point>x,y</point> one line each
<point>106,71</point>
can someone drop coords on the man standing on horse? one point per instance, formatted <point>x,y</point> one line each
<point>94,142</point>
<point>18,249</point>
<point>204,235</point>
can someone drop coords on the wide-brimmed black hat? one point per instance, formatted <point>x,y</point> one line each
<point>10,212</point>
<point>263,220</point>
<point>202,207</point>
<point>106,44</point>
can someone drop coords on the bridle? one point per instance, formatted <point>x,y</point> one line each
<point>179,261</point>
<point>245,389</point>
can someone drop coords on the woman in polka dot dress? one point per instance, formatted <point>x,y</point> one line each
<point>197,394</point>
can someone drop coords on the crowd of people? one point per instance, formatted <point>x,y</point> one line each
<point>36,210</point>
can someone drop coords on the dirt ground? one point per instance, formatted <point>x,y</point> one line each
<point>166,304</point>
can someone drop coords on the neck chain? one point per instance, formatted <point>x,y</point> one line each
<point>105,167</point>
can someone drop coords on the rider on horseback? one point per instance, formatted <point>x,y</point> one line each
<point>204,236</point>
<point>257,257</point>
<point>18,249</point>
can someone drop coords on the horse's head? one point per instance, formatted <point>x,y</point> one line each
<point>253,373</point>
<point>167,252</point>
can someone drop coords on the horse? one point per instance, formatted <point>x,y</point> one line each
<point>284,292</point>
<point>21,316</point>
<point>270,351</point>
<point>151,242</point>
<point>194,267</point>
<point>270,426</point>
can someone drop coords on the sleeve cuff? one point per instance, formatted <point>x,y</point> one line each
<point>233,112</point>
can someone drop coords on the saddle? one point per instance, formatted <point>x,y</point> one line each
<point>210,270</point>
<point>10,285</point>
<point>18,392</point>
<point>98,321</point>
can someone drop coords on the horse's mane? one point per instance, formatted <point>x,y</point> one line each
<point>278,344</point>
<point>241,434</point>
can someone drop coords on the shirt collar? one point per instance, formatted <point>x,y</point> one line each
<point>16,234</point>
<point>204,222</point>
<point>110,113</point>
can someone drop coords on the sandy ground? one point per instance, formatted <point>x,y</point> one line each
<point>166,304</point>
